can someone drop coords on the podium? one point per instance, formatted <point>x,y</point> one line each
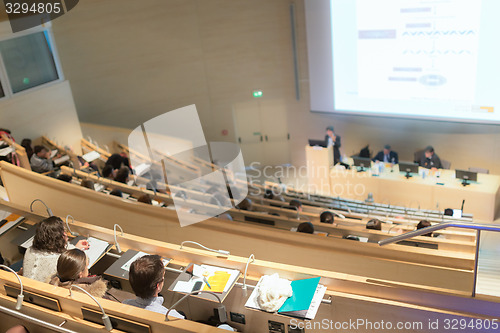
<point>319,162</point>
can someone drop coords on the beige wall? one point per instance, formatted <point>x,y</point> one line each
<point>49,110</point>
<point>129,61</point>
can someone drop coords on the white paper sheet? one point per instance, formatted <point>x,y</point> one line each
<point>28,243</point>
<point>140,254</point>
<point>92,156</point>
<point>96,248</point>
<point>6,151</point>
<point>61,159</point>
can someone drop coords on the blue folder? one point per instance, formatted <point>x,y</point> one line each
<point>303,293</point>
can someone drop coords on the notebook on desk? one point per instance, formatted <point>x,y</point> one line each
<point>192,279</point>
<point>10,222</point>
<point>97,248</point>
<point>304,303</point>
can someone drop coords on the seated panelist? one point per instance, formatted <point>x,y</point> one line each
<point>430,160</point>
<point>386,156</point>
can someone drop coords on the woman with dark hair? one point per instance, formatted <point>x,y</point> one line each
<point>26,143</point>
<point>145,199</point>
<point>122,175</point>
<point>88,183</point>
<point>72,269</point>
<point>40,259</point>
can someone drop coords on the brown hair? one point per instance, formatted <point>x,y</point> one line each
<point>245,204</point>
<point>49,235</point>
<point>424,224</point>
<point>122,175</point>
<point>306,227</point>
<point>69,266</point>
<point>145,274</point>
<point>88,184</point>
<point>145,199</point>
<point>374,224</point>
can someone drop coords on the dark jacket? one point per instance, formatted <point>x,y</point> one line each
<point>392,155</point>
<point>95,285</point>
<point>336,146</point>
<point>433,162</point>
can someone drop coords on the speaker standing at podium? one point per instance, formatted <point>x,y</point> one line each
<point>331,139</point>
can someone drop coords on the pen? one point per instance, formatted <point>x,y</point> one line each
<point>206,281</point>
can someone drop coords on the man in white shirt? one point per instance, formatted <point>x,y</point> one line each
<point>146,276</point>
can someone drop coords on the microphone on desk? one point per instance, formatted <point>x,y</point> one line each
<point>105,319</point>
<point>20,297</point>
<point>49,211</point>
<point>462,208</point>
<point>223,252</point>
<point>118,249</point>
<point>221,309</point>
<point>74,234</point>
<point>244,288</point>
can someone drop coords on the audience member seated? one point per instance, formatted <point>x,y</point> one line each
<point>108,172</point>
<point>146,276</point>
<point>424,224</point>
<point>145,199</point>
<point>40,161</point>
<point>374,224</point>
<point>117,161</point>
<point>245,204</point>
<point>65,178</point>
<point>72,269</point>
<point>306,227</point>
<point>26,144</point>
<point>268,194</point>
<point>430,160</point>
<point>326,217</point>
<point>387,156</point>
<point>122,175</point>
<point>88,184</point>
<point>40,259</point>
<point>117,192</point>
<point>296,205</point>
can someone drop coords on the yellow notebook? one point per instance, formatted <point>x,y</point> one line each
<point>217,281</point>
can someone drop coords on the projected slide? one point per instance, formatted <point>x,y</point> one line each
<point>413,49</point>
<point>408,58</point>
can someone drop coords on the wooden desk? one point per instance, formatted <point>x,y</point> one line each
<point>482,199</point>
<point>451,270</point>
<point>319,162</point>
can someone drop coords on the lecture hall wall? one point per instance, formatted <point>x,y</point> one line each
<point>129,61</point>
<point>48,110</point>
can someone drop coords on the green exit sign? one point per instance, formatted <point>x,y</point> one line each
<point>257,93</point>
